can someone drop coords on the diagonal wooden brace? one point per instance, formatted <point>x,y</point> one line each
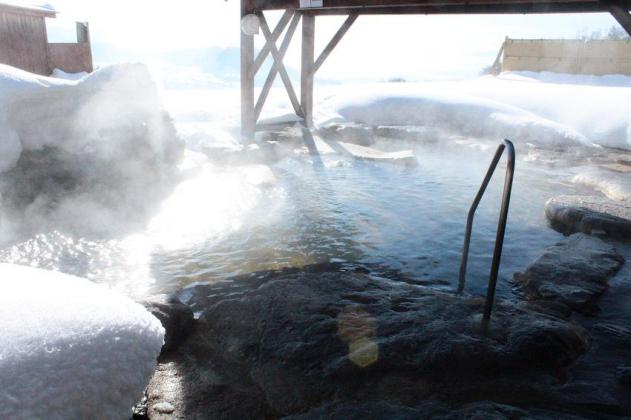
<point>621,14</point>
<point>273,71</point>
<point>279,66</point>
<point>334,41</point>
<point>278,30</point>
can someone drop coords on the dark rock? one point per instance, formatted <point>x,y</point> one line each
<point>573,272</point>
<point>306,338</point>
<point>484,410</point>
<point>614,333</point>
<point>589,395</point>
<point>571,214</point>
<point>624,375</point>
<point>349,133</point>
<point>176,318</point>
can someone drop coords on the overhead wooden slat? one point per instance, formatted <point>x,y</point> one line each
<point>440,6</point>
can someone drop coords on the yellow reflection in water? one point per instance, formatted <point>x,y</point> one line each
<point>358,328</point>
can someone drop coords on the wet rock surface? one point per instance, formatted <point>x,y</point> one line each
<point>574,272</point>
<point>434,410</point>
<point>571,213</point>
<point>350,133</point>
<point>176,318</point>
<point>295,342</point>
<point>624,375</point>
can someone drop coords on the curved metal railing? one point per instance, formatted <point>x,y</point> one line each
<point>501,225</point>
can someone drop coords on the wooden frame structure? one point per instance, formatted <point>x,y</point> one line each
<point>308,10</point>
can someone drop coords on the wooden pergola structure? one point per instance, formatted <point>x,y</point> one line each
<point>307,10</point>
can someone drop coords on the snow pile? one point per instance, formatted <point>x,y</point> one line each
<point>70,348</point>
<point>548,110</point>
<point>616,186</point>
<point>43,7</point>
<point>93,152</point>
<point>60,74</point>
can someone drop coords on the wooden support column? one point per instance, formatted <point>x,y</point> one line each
<point>248,118</point>
<point>621,14</point>
<point>307,67</point>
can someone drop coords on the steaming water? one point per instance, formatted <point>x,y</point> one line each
<point>400,222</point>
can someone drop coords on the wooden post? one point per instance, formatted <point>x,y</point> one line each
<point>306,73</point>
<point>248,118</point>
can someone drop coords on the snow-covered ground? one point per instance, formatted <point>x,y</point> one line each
<point>70,348</point>
<point>546,109</point>
<point>529,108</point>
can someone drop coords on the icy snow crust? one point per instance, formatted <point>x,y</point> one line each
<point>71,349</point>
<point>540,108</point>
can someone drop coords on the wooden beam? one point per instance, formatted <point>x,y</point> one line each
<point>475,9</point>
<point>344,7</point>
<point>621,14</point>
<point>273,71</point>
<point>279,66</point>
<point>307,69</point>
<point>334,41</point>
<point>248,122</point>
<point>278,30</point>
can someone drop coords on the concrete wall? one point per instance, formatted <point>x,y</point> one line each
<point>568,56</point>
<point>23,42</point>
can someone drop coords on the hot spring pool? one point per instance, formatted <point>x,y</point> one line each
<point>398,222</point>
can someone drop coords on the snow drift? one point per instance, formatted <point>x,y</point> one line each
<point>92,151</point>
<point>529,108</point>
<point>70,348</point>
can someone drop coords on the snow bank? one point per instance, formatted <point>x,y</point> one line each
<point>616,186</point>
<point>60,74</point>
<point>92,152</point>
<point>70,348</point>
<point>548,110</point>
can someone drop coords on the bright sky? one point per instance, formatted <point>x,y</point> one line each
<point>377,47</point>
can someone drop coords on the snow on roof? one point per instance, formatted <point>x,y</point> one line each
<point>45,8</point>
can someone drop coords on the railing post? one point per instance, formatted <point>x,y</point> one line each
<point>501,227</point>
<point>501,230</point>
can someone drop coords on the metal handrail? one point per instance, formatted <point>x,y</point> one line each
<point>501,225</point>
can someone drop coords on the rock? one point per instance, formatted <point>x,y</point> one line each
<point>571,213</point>
<point>613,184</point>
<point>589,395</point>
<point>419,134</point>
<point>176,318</point>
<point>614,333</point>
<point>164,408</point>
<point>484,410</point>
<point>624,375</point>
<point>305,338</point>
<point>574,272</point>
<point>349,133</point>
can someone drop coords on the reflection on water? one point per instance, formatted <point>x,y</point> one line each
<point>224,221</point>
